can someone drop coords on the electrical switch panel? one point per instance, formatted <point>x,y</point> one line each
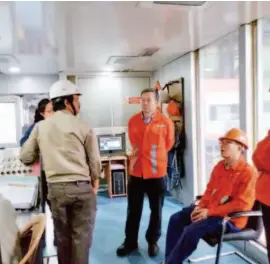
<point>10,163</point>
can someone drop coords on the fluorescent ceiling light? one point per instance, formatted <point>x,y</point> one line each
<point>180,3</point>
<point>14,69</point>
<point>108,69</point>
<point>208,69</point>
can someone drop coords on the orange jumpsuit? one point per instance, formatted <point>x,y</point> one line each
<point>261,157</point>
<point>238,184</point>
<point>151,143</point>
<point>151,139</point>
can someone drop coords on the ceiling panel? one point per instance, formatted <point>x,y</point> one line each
<point>104,29</point>
<point>77,37</point>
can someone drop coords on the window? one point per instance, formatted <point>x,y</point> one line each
<point>8,123</point>
<point>219,97</point>
<point>264,77</point>
<point>221,60</point>
<point>230,111</point>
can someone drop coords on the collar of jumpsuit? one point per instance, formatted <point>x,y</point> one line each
<point>147,120</point>
<point>237,166</point>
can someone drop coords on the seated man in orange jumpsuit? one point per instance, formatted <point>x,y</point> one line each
<point>231,188</point>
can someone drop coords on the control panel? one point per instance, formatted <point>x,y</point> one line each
<point>10,163</point>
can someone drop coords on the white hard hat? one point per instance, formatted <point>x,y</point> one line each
<point>63,88</point>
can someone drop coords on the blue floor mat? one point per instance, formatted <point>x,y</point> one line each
<point>109,234</point>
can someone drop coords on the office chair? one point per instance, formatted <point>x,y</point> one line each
<point>30,238</point>
<point>252,231</point>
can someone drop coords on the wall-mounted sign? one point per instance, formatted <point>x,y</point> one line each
<point>132,100</point>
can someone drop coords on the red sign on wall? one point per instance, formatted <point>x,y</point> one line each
<point>133,100</point>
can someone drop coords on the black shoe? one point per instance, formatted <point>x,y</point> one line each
<point>55,242</point>
<point>125,249</point>
<point>43,244</point>
<point>153,250</point>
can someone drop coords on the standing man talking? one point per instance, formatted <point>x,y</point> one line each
<point>72,166</point>
<point>151,135</point>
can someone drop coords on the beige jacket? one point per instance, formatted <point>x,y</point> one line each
<point>68,148</point>
<point>9,233</point>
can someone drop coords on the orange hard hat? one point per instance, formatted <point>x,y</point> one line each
<point>237,135</point>
<point>173,109</point>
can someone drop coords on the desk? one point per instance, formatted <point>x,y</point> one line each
<point>107,164</point>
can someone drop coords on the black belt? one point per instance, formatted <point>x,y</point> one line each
<point>71,182</point>
<point>82,182</point>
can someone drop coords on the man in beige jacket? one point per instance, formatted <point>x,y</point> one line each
<point>72,165</point>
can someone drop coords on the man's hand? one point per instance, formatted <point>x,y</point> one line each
<point>194,212</point>
<point>199,214</point>
<point>95,184</point>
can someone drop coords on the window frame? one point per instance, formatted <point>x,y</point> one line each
<point>259,98</point>
<point>201,141</point>
<point>259,106</point>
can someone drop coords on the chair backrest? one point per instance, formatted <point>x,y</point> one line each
<point>255,223</point>
<point>32,233</point>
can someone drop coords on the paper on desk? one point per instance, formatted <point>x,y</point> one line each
<point>117,167</point>
<point>20,196</point>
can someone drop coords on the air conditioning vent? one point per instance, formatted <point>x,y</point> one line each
<point>180,3</point>
<point>149,52</point>
<point>4,60</point>
<point>120,60</point>
<point>8,59</point>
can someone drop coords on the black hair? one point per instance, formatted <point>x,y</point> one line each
<point>59,103</point>
<point>151,90</point>
<point>40,109</point>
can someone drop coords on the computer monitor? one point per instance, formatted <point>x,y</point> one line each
<point>111,143</point>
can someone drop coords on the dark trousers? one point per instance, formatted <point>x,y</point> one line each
<point>74,211</point>
<point>44,200</point>
<point>183,236</point>
<point>266,221</point>
<point>155,189</point>
<point>44,192</point>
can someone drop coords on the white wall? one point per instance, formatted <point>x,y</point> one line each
<point>184,67</point>
<point>103,101</point>
<point>95,88</point>
<point>26,84</point>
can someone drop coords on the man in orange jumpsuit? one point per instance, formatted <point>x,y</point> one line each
<point>231,188</point>
<point>151,135</point>
<point>261,160</point>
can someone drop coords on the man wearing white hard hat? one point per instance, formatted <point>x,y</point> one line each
<point>72,164</point>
